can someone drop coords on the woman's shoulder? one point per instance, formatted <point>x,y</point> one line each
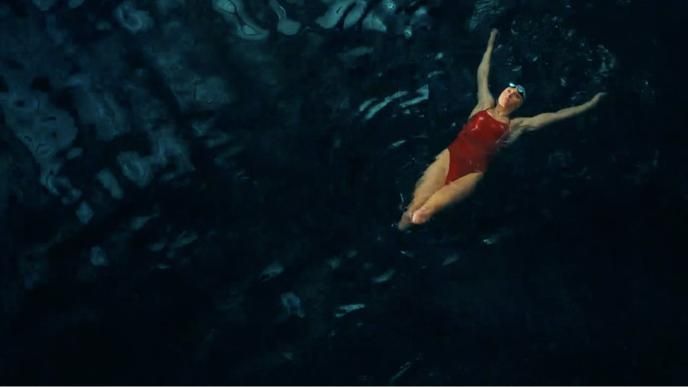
<point>478,111</point>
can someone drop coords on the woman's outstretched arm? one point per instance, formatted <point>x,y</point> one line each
<point>521,124</point>
<point>485,99</point>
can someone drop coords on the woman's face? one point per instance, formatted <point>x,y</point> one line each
<point>510,99</point>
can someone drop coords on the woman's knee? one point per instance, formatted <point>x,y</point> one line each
<point>422,214</point>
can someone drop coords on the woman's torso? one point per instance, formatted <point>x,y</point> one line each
<point>482,134</point>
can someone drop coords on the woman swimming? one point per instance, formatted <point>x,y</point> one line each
<point>456,170</point>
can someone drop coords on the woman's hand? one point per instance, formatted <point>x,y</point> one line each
<point>493,35</point>
<point>596,99</point>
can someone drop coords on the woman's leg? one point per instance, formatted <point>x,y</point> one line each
<point>451,193</point>
<point>431,181</point>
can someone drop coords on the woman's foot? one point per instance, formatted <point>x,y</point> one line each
<point>404,222</point>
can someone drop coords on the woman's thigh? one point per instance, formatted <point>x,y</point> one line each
<point>462,187</point>
<point>436,172</point>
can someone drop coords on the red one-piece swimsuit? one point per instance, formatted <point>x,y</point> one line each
<point>478,140</point>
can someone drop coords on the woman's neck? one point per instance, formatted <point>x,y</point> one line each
<point>500,111</point>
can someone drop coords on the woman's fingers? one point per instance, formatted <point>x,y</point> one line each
<point>493,34</point>
<point>598,97</point>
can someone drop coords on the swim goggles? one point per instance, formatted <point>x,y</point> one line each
<point>521,90</point>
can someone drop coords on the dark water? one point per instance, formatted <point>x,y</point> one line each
<point>256,188</point>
